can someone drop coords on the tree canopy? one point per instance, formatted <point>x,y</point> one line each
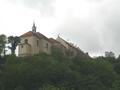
<point>47,72</point>
<point>56,71</point>
<point>2,44</point>
<point>13,41</point>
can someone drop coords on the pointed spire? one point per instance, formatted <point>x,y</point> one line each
<point>34,27</point>
<point>58,35</point>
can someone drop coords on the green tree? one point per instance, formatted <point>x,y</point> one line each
<point>47,72</point>
<point>57,52</point>
<point>13,41</point>
<point>2,44</point>
<point>116,85</point>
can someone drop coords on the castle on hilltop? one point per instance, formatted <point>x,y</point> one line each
<point>32,43</point>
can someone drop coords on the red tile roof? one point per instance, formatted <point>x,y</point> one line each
<point>36,34</point>
<point>30,33</point>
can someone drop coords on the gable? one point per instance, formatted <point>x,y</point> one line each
<point>35,34</point>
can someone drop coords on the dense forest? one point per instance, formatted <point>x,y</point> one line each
<point>56,71</point>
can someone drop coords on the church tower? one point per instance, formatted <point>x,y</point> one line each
<point>34,27</point>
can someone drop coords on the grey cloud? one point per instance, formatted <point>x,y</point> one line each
<point>44,6</point>
<point>111,32</point>
<point>98,34</point>
<point>111,26</point>
<point>94,0</point>
<point>81,32</point>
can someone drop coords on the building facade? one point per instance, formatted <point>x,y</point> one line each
<point>109,54</point>
<point>32,43</point>
<point>71,50</point>
<point>58,46</point>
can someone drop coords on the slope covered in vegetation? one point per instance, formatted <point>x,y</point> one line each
<point>44,72</point>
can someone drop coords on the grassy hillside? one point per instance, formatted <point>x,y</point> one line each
<point>44,72</point>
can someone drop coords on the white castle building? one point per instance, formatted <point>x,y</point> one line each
<point>32,43</point>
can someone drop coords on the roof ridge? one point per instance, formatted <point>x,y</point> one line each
<point>37,34</point>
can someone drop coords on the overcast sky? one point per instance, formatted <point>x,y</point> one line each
<point>93,25</point>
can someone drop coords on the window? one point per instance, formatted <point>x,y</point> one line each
<point>22,46</point>
<point>47,46</point>
<point>26,40</point>
<point>37,43</point>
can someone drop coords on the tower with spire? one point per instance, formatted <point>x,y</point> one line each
<point>34,27</point>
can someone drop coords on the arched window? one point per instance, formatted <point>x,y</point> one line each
<point>26,41</point>
<point>22,46</point>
